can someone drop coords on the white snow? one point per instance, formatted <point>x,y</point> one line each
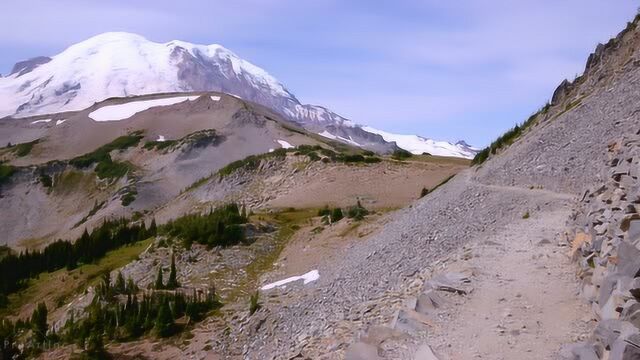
<point>59,122</point>
<point>41,121</point>
<point>312,275</point>
<point>272,150</point>
<point>215,98</point>
<point>127,110</point>
<point>418,145</point>
<point>161,138</point>
<point>285,145</point>
<point>334,137</point>
<point>328,135</point>
<point>119,64</point>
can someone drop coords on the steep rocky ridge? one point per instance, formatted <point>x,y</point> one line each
<point>567,146</point>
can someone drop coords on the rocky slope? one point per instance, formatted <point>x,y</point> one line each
<point>605,245</point>
<point>124,64</point>
<point>164,158</point>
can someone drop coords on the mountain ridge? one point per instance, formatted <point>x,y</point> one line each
<point>119,64</point>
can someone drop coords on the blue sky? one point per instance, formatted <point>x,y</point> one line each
<point>447,70</point>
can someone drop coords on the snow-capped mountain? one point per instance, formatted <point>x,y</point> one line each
<point>121,64</point>
<point>419,145</point>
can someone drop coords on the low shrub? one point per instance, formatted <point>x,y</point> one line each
<point>357,212</point>
<point>45,180</point>
<point>336,215</point>
<point>254,302</point>
<point>25,148</point>
<point>6,171</point>
<point>401,154</point>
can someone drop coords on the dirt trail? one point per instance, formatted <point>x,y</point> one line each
<point>524,304</point>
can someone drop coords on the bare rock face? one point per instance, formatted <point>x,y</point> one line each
<point>27,66</point>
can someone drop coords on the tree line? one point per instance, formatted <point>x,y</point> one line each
<point>16,270</point>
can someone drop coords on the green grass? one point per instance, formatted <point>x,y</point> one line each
<point>102,153</point>
<point>251,162</point>
<point>110,169</point>
<point>25,148</point>
<point>159,145</point>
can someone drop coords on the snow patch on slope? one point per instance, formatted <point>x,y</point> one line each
<point>328,135</point>
<point>41,121</point>
<point>285,145</point>
<point>418,145</point>
<point>312,275</point>
<point>127,110</point>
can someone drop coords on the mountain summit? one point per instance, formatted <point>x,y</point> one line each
<point>119,64</point>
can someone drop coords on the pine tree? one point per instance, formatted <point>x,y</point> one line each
<point>172,283</point>
<point>39,323</point>
<point>120,286</point>
<point>164,325</point>
<point>131,287</point>
<point>159,285</point>
<point>95,348</point>
<point>153,228</point>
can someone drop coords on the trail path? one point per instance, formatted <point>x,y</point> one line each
<point>524,304</point>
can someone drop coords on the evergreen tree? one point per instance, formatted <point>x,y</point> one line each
<point>164,325</point>
<point>95,348</point>
<point>153,228</point>
<point>131,287</point>
<point>39,323</point>
<point>172,283</point>
<point>336,215</point>
<point>120,286</point>
<point>159,285</point>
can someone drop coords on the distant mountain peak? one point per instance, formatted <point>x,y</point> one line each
<point>121,64</point>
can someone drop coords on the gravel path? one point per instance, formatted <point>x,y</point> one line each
<point>525,302</point>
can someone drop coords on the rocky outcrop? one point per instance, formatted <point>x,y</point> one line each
<point>606,246</point>
<point>26,66</point>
